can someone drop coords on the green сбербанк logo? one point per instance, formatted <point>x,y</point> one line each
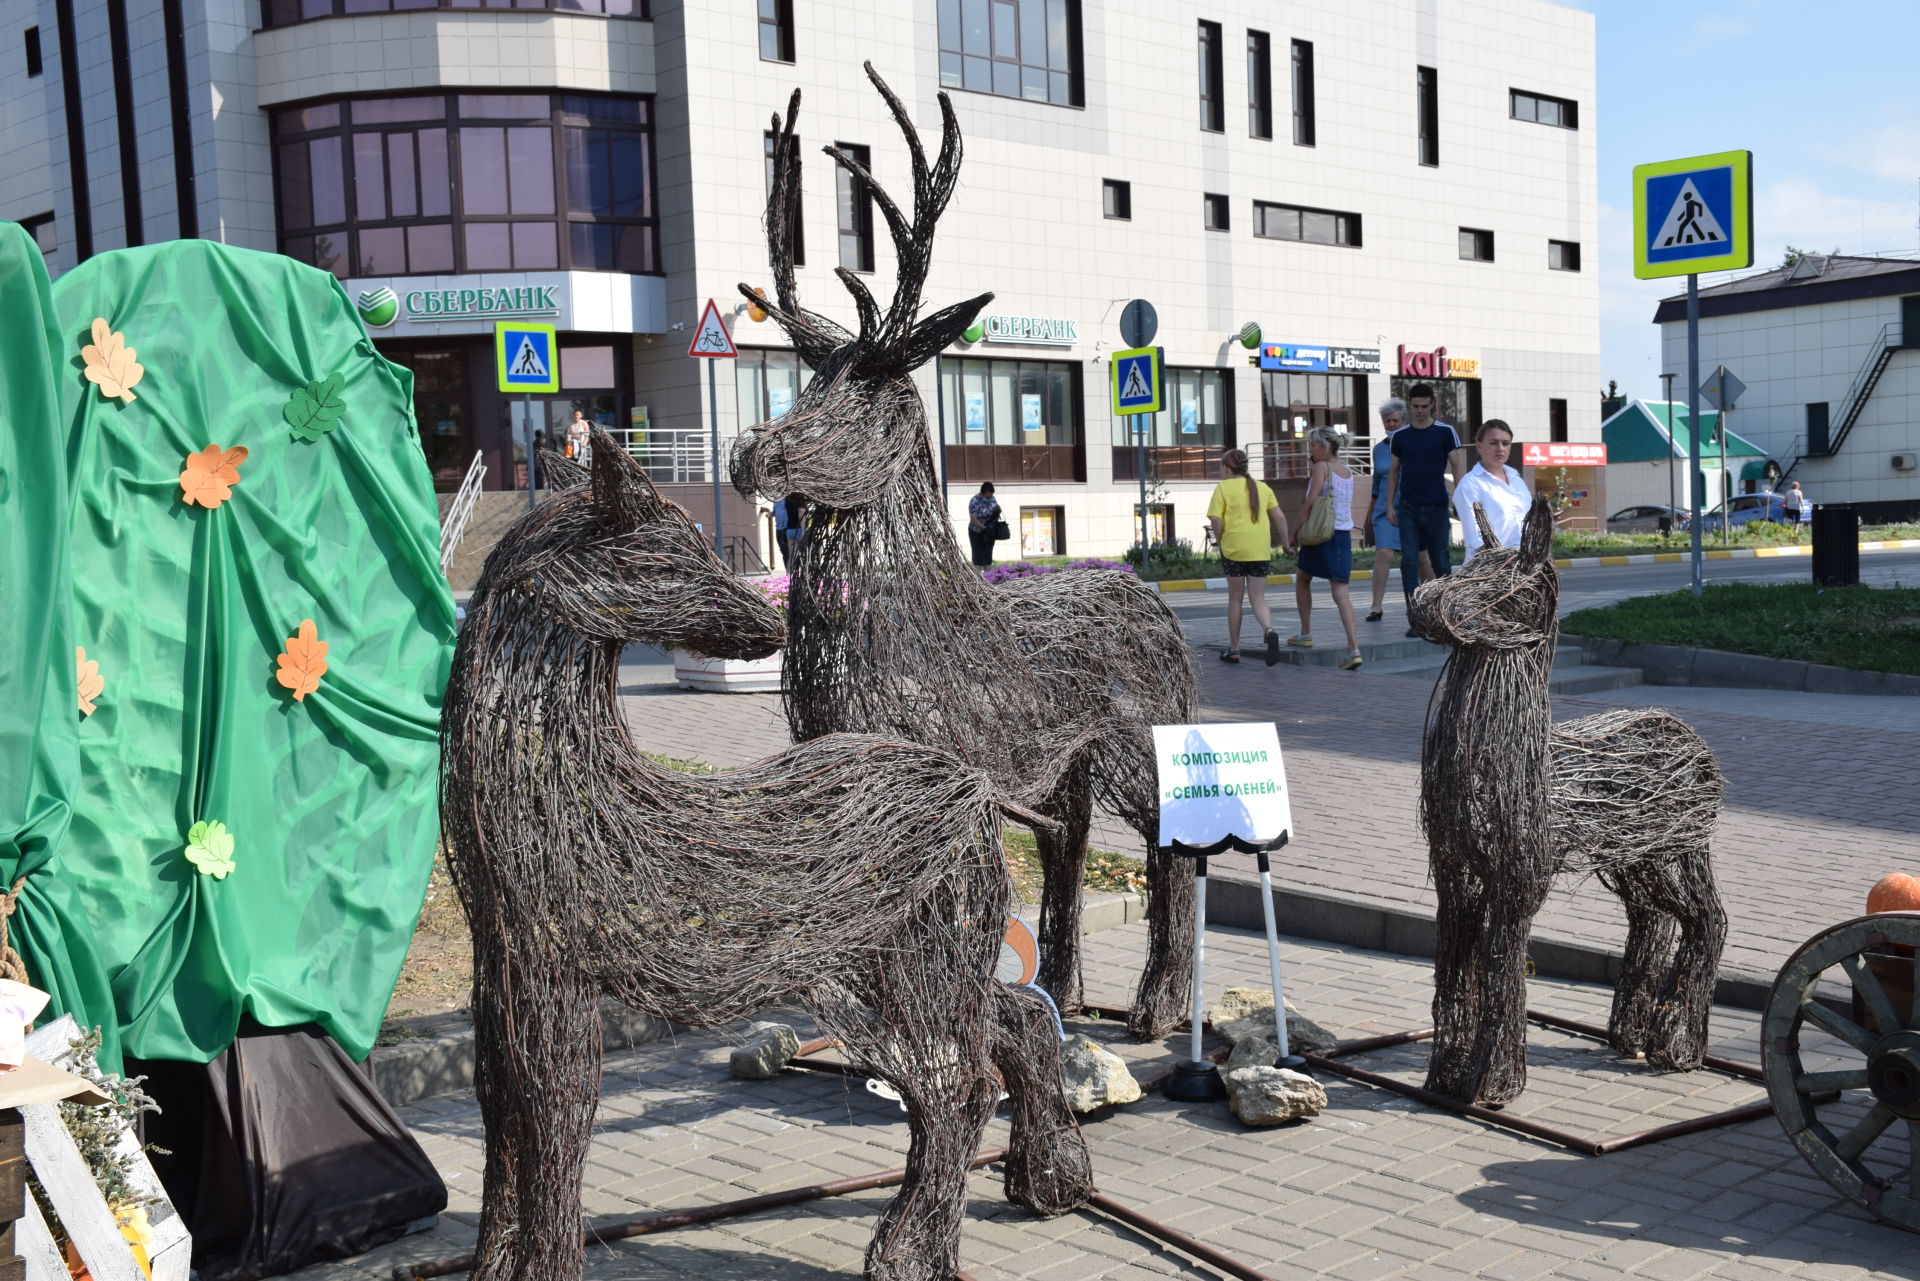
<point>379,307</point>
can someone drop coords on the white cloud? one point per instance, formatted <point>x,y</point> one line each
<point>1889,149</point>
<point>1797,210</point>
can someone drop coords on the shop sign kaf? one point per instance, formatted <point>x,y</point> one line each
<point>1437,364</point>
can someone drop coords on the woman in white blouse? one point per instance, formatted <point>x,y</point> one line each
<point>1500,490</point>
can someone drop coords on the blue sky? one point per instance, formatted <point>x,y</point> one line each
<point>1826,97</point>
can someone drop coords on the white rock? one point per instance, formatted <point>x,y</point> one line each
<point>764,1053</point>
<point>1253,1051</point>
<point>1094,1077</point>
<point>1273,1096</point>
<point>1248,1011</point>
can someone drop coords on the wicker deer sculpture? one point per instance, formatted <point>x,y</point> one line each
<point>1509,800</point>
<point>857,877</point>
<point>1051,684</point>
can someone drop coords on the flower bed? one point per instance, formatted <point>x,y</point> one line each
<point>1028,569</point>
<point>736,675</point>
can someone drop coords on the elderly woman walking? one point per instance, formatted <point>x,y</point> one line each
<point>1248,525</point>
<point>1332,479</point>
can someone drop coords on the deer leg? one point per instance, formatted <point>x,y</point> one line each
<point>500,1101</point>
<point>1063,867</point>
<point>1679,1038</point>
<point>1501,1043</point>
<point>943,1072</point>
<point>1460,922</point>
<point>1651,933</point>
<point>1048,1169</point>
<point>552,1014</point>
<point>1166,981</point>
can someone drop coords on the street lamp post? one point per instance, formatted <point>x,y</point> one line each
<point>1673,497</point>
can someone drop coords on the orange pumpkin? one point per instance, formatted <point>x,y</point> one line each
<point>1895,892</point>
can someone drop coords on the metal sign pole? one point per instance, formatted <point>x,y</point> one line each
<point>1673,494</point>
<point>526,409</point>
<point>1726,481</point>
<point>1693,422</point>
<point>713,414</point>
<point>1146,536</point>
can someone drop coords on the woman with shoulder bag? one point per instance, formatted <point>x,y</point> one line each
<point>985,524</point>
<point>1323,547</point>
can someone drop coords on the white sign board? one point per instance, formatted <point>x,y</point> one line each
<point>1221,780</point>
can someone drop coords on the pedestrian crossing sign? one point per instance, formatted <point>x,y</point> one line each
<point>1136,380</point>
<point>525,356</point>
<point>1693,215</point>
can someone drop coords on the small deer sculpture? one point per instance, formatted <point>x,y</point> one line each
<point>857,877</point>
<point>1051,684</point>
<point>1509,800</point>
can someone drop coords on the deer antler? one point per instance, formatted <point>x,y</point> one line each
<point>814,336</point>
<point>1487,535</point>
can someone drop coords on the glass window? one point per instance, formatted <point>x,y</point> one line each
<point>1315,226</point>
<point>1259,85</point>
<point>767,382</point>
<point>776,30</point>
<point>1303,102</point>
<point>1475,245</point>
<point>1116,198</point>
<point>586,367</point>
<point>1008,402</point>
<point>280,13</point>
<point>367,187</point>
<point>1214,212</point>
<point>854,209</point>
<point>1427,89</point>
<point>1213,117</point>
<point>1012,48</point>
<point>1563,255</point>
<point>1198,402</point>
<point>798,231</point>
<point>1563,113</point>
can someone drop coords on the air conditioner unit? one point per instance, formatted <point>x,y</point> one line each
<point>1905,462</point>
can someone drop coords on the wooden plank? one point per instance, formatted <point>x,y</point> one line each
<point>13,1134</point>
<point>13,1268</point>
<point>42,1257</point>
<point>76,1199</point>
<point>13,1188</point>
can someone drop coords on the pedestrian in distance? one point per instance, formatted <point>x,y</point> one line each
<point>1247,524</point>
<point>580,439</point>
<point>789,527</point>
<point>1794,503</point>
<point>1500,489</point>
<point>1331,477</point>
<point>1423,455</point>
<point>1386,539</point>
<point>983,516</point>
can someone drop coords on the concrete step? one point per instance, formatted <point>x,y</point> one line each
<point>1330,650</point>
<point>1583,679</point>
<point>1427,664</point>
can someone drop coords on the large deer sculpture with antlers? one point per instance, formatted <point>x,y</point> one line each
<point>1051,683</point>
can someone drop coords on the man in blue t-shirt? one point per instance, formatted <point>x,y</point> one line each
<point>1417,503</point>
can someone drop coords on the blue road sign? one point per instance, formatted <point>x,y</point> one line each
<point>523,356</point>
<point>1136,381</point>
<point>1694,215</point>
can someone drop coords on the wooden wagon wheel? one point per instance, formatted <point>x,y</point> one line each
<point>1877,956</point>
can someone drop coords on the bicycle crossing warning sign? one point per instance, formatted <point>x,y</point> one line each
<point>524,356</point>
<point>1694,215</point>
<point>711,339</point>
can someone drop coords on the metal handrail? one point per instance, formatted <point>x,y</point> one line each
<point>671,455</point>
<point>1864,382</point>
<point>454,528</point>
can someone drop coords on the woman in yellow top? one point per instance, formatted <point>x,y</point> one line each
<point>1248,524</point>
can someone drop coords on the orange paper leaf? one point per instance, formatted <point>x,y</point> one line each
<point>90,681</point>
<point>211,475</point>
<point>303,662</point>
<point>110,362</point>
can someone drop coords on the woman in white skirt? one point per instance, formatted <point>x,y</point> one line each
<point>1500,489</point>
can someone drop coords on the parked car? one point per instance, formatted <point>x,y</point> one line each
<point>1745,509</point>
<point>1646,519</point>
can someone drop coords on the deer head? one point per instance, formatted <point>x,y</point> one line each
<point>1504,598</point>
<point>857,425</point>
<point>611,559</point>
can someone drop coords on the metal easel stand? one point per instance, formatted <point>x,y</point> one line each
<point>1195,1079</point>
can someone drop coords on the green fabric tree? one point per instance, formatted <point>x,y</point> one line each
<point>253,808</point>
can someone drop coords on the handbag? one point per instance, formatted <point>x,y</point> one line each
<point>1318,526</point>
<point>1000,531</point>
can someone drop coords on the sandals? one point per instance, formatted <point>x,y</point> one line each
<point>1229,655</point>
<point>1352,663</point>
<point>1273,648</point>
<point>1300,642</point>
<point>1374,617</point>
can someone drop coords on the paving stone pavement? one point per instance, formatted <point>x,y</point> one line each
<point>1377,1187</point>
<point>1815,813</point>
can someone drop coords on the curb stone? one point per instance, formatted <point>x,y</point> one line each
<point>1719,668</point>
<point>1586,562</point>
<point>438,1058</point>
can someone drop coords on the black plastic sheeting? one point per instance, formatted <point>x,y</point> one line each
<point>283,1154</point>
